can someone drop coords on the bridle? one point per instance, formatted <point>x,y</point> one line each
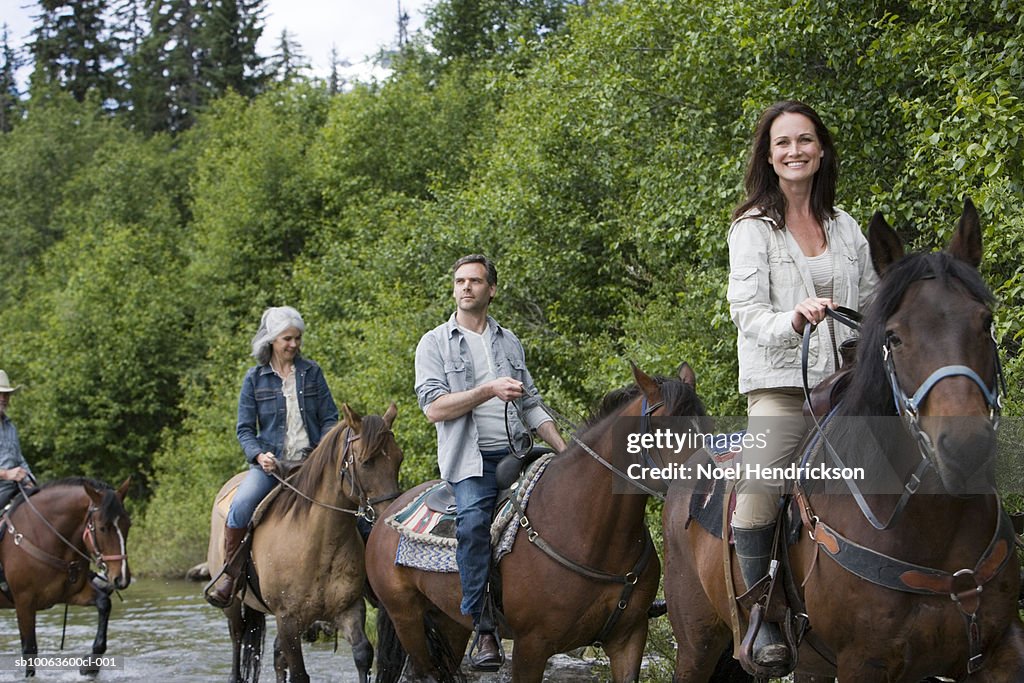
<point>908,407</point>
<point>347,472</point>
<point>89,539</point>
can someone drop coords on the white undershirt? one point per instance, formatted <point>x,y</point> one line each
<point>821,276</point>
<point>295,436</point>
<point>489,416</point>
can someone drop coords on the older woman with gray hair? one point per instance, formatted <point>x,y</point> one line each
<point>285,407</point>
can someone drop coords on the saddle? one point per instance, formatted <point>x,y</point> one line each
<point>442,498</point>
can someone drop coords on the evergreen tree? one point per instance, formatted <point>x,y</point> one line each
<point>73,48</point>
<point>230,30</point>
<point>288,63</point>
<point>9,100</point>
<point>481,28</point>
<point>195,52</point>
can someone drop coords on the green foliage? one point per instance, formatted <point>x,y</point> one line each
<point>98,335</point>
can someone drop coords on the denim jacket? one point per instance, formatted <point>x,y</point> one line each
<point>768,277</point>
<point>444,365</point>
<point>262,421</point>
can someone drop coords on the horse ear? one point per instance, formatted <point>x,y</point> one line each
<point>122,490</point>
<point>966,242</point>
<point>95,495</point>
<point>886,245</point>
<point>352,418</point>
<point>646,384</point>
<point>390,415</point>
<point>686,374</point>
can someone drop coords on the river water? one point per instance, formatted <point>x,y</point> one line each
<point>164,631</point>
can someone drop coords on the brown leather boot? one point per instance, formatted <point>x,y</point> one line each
<point>224,592</point>
<point>487,656</point>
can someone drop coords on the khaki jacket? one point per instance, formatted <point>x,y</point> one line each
<point>768,277</point>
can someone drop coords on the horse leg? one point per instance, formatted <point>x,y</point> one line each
<point>529,659</point>
<point>26,614</point>
<point>235,629</point>
<point>290,636</point>
<point>1005,659</point>
<point>625,655</point>
<point>280,662</point>
<point>99,645</point>
<point>409,625</point>
<point>352,624</point>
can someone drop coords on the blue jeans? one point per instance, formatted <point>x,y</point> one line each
<point>474,508</point>
<point>254,488</point>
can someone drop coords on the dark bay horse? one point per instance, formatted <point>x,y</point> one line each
<point>51,539</point>
<point>307,553</point>
<point>898,586</point>
<point>578,510</point>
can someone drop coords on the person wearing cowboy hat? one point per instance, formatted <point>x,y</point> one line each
<point>13,467</point>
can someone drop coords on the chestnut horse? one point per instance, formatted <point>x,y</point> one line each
<point>897,587</point>
<point>307,552</point>
<point>51,539</point>
<point>589,516</point>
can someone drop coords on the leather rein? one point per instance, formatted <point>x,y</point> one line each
<point>347,472</point>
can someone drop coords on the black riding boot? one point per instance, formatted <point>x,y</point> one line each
<point>223,593</point>
<point>754,550</point>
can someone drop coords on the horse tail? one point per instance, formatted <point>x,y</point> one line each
<point>254,630</point>
<point>449,665</point>
<point>391,656</point>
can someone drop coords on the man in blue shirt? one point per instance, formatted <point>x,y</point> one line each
<point>467,370</point>
<point>13,467</point>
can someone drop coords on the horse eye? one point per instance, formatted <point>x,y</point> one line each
<point>893,339</point>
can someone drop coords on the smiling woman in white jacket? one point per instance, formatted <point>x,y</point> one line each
<point>792,254</point>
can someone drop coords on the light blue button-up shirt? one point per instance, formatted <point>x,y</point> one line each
<point>444,365</point>
<point>10,457</point>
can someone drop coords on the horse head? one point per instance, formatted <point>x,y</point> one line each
<point>106,532</point>
<point>928,336</point>
<point>371,461</point>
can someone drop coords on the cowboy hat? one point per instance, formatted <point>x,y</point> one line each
<point>5,384</point>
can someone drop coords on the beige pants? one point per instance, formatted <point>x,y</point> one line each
<point>776,417</point>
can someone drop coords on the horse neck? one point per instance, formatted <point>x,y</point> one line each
<point>593,492</point>
<point>62,510</point>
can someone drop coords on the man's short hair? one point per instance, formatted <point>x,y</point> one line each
<point>492,272</point>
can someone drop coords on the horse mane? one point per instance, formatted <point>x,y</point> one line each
<point>324,461</point>
<point>869,394</point>
<point>680,399</point>
<point>110,507</point>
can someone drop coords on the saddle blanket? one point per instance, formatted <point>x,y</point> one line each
<point>427,537</point>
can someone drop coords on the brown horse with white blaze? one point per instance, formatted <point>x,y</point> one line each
<point>584,512</point>
<point>52,538</point>
<point>903,582</point>
<point>307,552</point>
